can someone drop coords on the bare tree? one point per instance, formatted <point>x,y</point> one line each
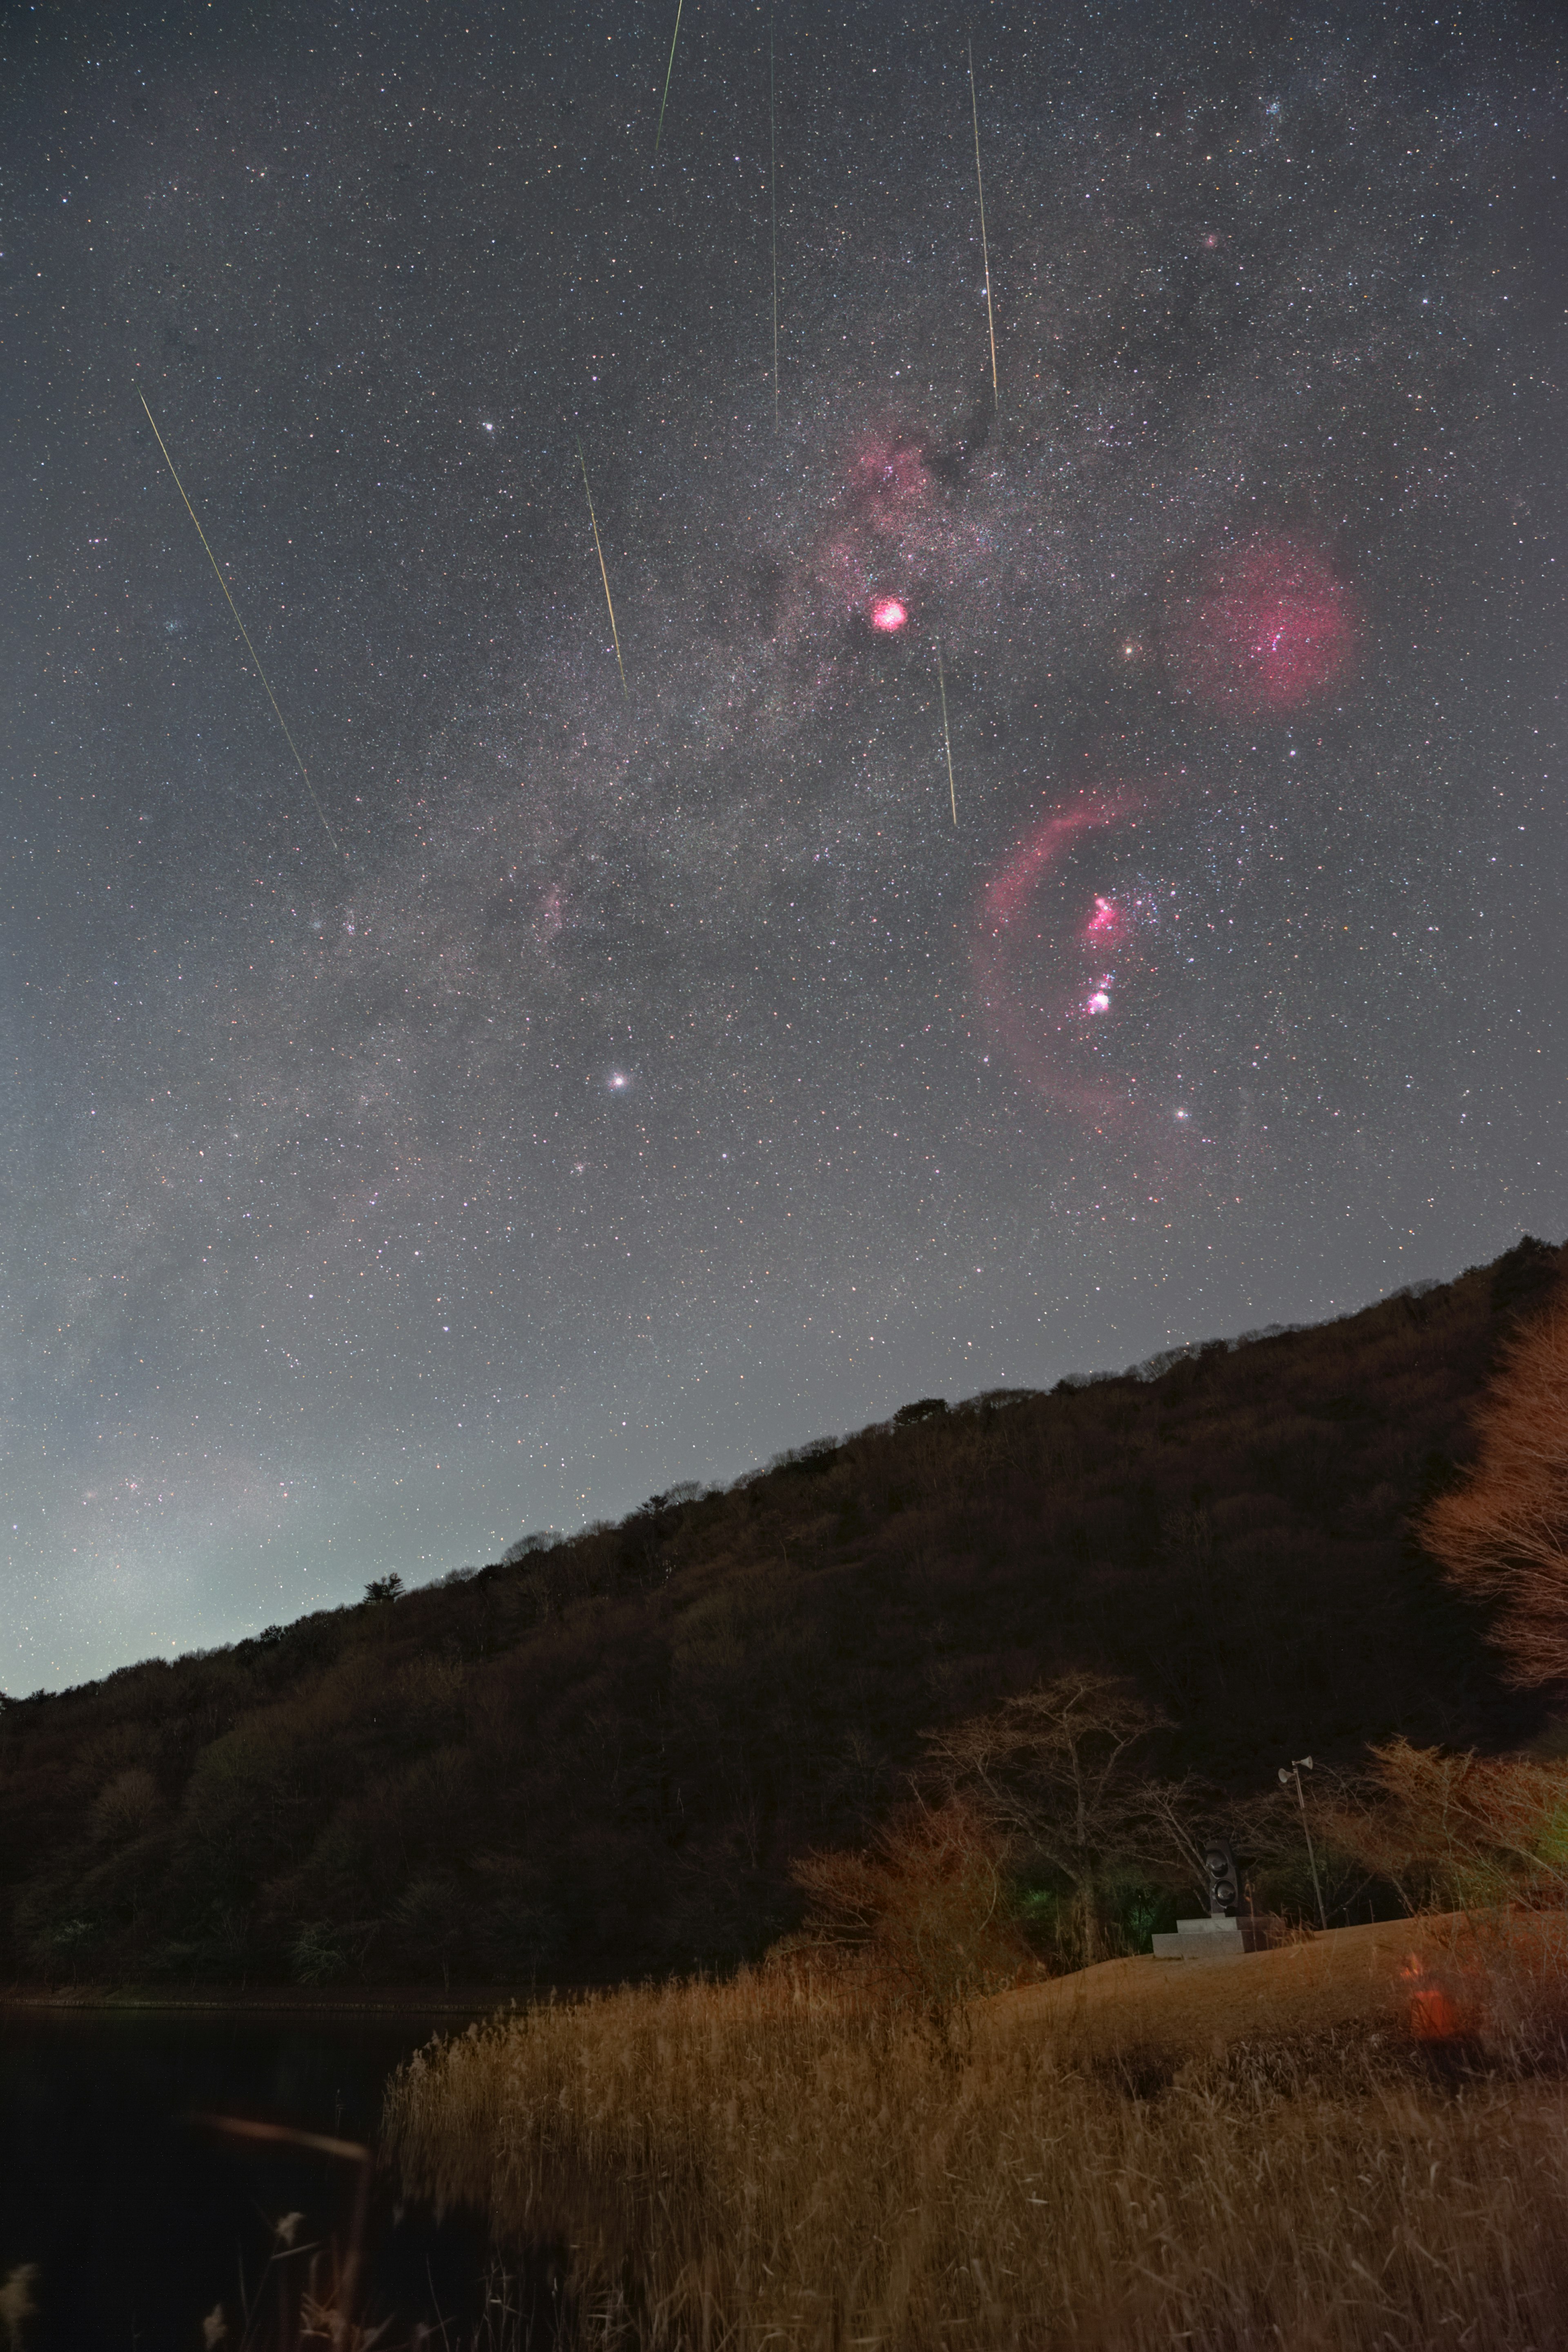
<point>1056,1773</point>
<point>1458,1833</point>
<point>1503,1535</point>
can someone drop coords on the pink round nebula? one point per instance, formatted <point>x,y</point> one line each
<point>888,614</point>
<point>1273,624</point>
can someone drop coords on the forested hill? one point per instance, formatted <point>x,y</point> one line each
<point>600,1755</point>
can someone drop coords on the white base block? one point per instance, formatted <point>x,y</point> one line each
<point>1212,1939</point>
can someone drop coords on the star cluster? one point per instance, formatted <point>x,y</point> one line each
<point>609,1084</point>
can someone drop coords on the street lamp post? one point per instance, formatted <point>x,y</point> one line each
<point>1297,1765</point>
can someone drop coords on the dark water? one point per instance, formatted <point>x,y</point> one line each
<point>140,2222</point>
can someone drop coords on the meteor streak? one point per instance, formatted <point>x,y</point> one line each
<point>773,213</point>
<point>669,70</point>
<point>947,739</point>
<point>603,573</point>
<point>240,625</point>
<point>984,251</point>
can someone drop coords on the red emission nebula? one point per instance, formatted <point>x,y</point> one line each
<point>1065,965</point>
<point>1272,625</point>
<point>892,539</point>
<point>1048,973</point>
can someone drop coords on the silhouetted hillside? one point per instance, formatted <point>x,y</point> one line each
<point>599,1755</point>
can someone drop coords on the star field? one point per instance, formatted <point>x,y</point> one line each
<point>608,1088</point>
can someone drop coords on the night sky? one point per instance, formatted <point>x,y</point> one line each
<point>604,1088</point>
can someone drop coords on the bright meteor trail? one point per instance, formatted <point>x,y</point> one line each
<point>985,249</point>
<point>773,213</point>
<point>593,526</point>
<point>669,70</point>
<point>245,633</point>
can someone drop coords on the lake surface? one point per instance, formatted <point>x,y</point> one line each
<point>139,2221</point>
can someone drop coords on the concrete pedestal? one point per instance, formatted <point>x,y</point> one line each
<point>1213,1939</point>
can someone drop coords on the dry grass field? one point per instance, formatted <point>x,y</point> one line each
<point>1358,2140</point>
<point>1355,1981</point>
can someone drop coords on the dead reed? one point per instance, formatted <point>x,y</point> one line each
<point>783,2161</point>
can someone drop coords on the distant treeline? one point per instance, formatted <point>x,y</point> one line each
<point>601,1755</point>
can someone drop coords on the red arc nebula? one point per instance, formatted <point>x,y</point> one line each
<point>1035,993</point>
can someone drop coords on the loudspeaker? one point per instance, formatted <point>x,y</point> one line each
<point>1224,1880</point>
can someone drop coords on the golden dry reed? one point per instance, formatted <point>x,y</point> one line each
<point>782,2162</point>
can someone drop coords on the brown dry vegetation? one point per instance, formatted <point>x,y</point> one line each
<point>1503,1535</point>
<point>1460,1831</point>
<point>1255,2154</point>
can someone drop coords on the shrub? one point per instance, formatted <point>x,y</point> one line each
<point>922,1910</point>
<point>1503,1535</point>
<point>315,1957</point>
